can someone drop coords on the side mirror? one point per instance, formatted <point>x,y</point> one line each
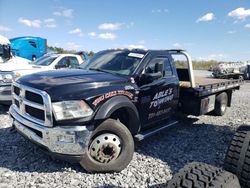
<point>60,66</point>
<point>147,78</point>
<point>159,67</point>
<point>150,77</point>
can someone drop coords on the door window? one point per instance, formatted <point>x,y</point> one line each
<point>164,61</point>
<point>63,62</point>
<point>151,67</point>
<point>32,43</point>
<point>68,62</point>
<point>167,68</point>
<point>73,62</point>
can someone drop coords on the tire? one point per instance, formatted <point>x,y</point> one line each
<point>246,76</point>
<point>33,57</point>
<point>221,103</point>
<point>200,175</point>
<point>241,77</point>
<point>237,159</point>
<point>93,161</point>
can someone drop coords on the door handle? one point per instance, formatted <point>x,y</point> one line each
<point>161,82</point>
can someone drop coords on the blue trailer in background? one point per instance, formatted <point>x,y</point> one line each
<point>29,47</point>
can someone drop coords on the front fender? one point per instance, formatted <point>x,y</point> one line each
<point>118,102</point>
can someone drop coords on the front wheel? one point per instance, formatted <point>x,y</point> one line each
<point>110,149</point>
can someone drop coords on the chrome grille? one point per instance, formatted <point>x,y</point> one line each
<point>32,104</point>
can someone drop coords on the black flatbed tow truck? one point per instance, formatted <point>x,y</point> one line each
<point>93,115</point>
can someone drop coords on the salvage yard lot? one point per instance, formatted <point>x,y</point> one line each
<point>22,164</point>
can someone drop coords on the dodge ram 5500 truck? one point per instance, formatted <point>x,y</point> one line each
<point>93,115</point>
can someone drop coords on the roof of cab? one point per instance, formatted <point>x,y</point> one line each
<point>61,55</point>
<point>4,40</point>
<point>25,37</point>
<point>144,51</point>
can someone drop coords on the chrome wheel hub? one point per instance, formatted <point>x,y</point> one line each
<point>223,107</point>
<point>105,148</point>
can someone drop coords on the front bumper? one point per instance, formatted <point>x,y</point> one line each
<point>71,140</point>
<point>5,93</point>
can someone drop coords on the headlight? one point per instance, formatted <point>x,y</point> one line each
<point>71,110</point>
<point>6,78</point>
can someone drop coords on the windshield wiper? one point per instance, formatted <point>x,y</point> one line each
<point>99,70</point>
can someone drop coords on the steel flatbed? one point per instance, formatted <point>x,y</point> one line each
<point>208,86</point>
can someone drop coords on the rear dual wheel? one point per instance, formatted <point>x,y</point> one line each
<point>221,102</point>
<point>110,149</point>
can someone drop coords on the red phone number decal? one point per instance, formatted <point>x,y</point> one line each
<point>112,94</point>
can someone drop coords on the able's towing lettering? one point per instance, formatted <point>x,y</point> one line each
<point>162,97</point>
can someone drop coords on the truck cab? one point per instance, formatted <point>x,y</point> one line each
<point>93,115</point>
<point>5,52</point>
<point>7,62</point>
<point>29,47</point>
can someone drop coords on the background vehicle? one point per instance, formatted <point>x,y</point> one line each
<point>83,55</point>
<point>91,115</point>
<point>54,61</point>
<point>12,71</point>
<point>5,52</point>
<point>7,59</point>
<point>247,72</point>
<point>230,70</point>
<point>29,47</point>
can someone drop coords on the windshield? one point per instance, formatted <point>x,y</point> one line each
<point>118,62</point>
<point>1,50</point>
<point>5,51</point>
<point>44,61</point>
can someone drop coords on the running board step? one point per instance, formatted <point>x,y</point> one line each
<point>152,131</point>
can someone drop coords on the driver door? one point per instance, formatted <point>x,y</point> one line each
<point>159,98</point>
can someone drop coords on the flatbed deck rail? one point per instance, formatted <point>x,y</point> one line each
<point>221,85</point>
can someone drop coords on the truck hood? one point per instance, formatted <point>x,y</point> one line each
<point>33,66</point>
<point>30,69</point>
<point>72,84</point>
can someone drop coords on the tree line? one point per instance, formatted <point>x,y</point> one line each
<point>60,50</point>
<point>205,65</point>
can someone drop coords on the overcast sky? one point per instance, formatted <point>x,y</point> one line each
<point>218,29</point>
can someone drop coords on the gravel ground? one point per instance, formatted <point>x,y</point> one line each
<point>203,139</point>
